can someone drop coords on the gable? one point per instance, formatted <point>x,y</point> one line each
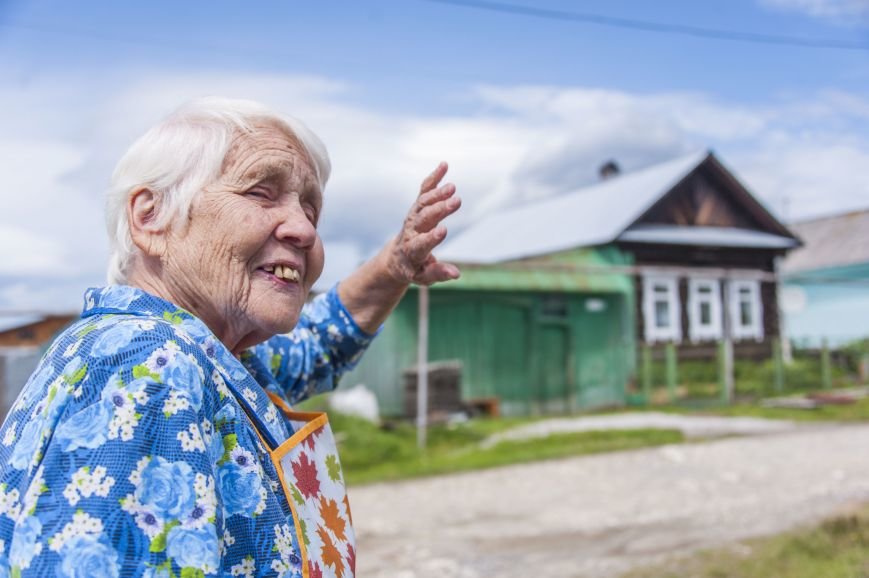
<point>700,201</point>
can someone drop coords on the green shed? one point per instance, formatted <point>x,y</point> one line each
<point>538,334</point>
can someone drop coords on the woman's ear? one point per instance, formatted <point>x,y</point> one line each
<point>147,234</point>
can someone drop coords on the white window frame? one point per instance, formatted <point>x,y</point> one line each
<point>696,298</point>
<point>652,331</point>
<point>738,330</point>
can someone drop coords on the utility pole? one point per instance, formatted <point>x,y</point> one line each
<point>422,370</point>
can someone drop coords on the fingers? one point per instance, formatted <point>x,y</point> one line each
<point>434,178</point>
<point>420,246</point>
<point>435,195</point>
<point>437,272</point>
<point>429,217</point>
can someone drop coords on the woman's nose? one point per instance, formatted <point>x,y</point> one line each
<point>296,227</point>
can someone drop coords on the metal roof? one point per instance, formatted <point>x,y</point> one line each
<point>833,241</point>
<point>706,236</point>
<point>593,215</point>
<point>9,322</point>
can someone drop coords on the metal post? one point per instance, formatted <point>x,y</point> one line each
<point>826,370</point>
<point>726,350</point>
<point>422,370</point>
<point>778,364</point>
<point>672,372</point>
<point>647,374</point>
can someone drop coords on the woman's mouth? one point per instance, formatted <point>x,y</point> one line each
<point>283,272</point>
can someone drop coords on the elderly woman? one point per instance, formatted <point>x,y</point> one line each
<point>155,437</point>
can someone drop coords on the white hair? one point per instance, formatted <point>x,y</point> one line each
<point>184,154</point>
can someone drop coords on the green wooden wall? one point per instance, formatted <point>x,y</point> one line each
<point>537,350</point>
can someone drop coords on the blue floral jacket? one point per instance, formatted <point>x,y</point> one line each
<point>126,454</point>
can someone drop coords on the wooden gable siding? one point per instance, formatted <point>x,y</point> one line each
<point>701,200</point>
<point>35,334</point>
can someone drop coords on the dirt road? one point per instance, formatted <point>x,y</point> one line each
<point>601,515</point>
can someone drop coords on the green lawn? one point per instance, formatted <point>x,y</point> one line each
<point>370,453</point>
<point>836,548</point>
<point>858,411</point>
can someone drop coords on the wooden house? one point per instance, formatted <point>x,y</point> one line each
<point>556,294</point>
<point>826,281</point>
<point>23,338</point>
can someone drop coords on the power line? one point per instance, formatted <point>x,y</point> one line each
<point>659,27</point>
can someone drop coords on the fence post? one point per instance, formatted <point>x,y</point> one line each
<point>647,373</point>
<point>826,370</point>
<point>778,364</point>
<point>723,372</point>
<point>672,372</point>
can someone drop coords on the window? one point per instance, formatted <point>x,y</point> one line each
<point>554,306</point>
<point>746,310</point>
<point>704,309</point>
<point>661,309</point>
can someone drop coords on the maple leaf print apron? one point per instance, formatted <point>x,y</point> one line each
<point>313,484</point>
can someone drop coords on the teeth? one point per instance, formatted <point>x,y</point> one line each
<point>269,269</point>
<point>284,272</point>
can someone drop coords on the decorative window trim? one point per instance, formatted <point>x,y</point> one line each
<point>736,289</point>
<point>697,331</point>
<point>652,331</point>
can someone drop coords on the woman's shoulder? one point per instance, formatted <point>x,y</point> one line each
<point>104,352</point>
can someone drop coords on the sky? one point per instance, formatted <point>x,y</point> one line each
<point>522,104</point>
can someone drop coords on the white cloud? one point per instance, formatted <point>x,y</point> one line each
<point>838,10</point>
<point>521,143</point>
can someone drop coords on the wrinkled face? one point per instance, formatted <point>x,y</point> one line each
<point>250,251</point>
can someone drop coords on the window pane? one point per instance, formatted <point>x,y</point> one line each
<point>704,290</point>
<point>662,314</point>
<point>555,306</point>
<point>705,314</point>
<point>745,317</point>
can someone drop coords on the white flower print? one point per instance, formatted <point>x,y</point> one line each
<point>72,348</point>
<point>246,568</point>
<point>261,506</point>
<point>289,558</point>
<point>220,384</point>
<point>85,484</point>
<point>271,415</point>
<point>334,333</point>
<point>82,524</point>
<point>9,505</point>
<point>250,396</point>
<point>136,475</point>
<point>175,403</point>
<point>37,486</point>
<point>243,458</point>
<point>191,440</point>
<point>10,434</point>
<point>205,510</point>
<point>147,521</point>
<point>162,358</point>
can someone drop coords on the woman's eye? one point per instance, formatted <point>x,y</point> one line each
<point>257,194</point>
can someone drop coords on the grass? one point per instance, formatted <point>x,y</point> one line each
<point>836,548</point>
<point>370,453</point>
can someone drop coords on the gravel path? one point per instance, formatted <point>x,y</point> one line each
<point>692,426</point>
<point>601,515</point>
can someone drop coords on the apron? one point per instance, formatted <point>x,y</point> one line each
<point>310,474</point>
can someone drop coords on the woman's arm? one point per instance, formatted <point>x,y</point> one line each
<point>371,292</point>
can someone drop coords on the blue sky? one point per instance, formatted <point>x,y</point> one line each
<point>522,107</point>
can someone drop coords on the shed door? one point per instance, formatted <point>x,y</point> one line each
<point>554,351</point>
<point>601,350</point>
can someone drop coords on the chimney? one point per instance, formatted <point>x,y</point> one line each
<point>609,170</point>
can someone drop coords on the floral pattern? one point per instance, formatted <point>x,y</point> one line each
<point>128,453</point>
